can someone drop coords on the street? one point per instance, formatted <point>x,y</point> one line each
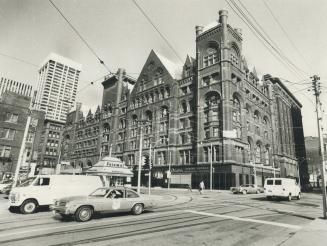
<point>182,218</point>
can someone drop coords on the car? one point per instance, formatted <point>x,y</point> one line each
<point>4,184</point>
<point>247,189</point>
<point>103,200</point>
<point>282,188</point>
<point>7,189</point>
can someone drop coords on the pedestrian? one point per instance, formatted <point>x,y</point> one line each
<point>201,187</point>
<point>189,187</point>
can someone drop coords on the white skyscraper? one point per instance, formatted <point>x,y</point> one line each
<point>57,86</point>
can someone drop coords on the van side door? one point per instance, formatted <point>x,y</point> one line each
<point>41,191</point>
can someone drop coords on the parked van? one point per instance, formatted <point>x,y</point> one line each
<point>282,187</point>
<point>43,189</point>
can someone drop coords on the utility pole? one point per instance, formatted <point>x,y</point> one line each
<point>150,166</point>
<point>317,92</point>
<point>140,160</point>
<point>21,152</point>
<point>211,166</point>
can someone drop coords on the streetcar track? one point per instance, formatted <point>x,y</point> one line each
<point>134,233</point>
<point>100,227</point>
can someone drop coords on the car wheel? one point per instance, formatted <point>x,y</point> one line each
<point>299,196</point>
<point>289,198</point>
<point>28,207</point>
<point>137,209</point>
<point>244,192</point>
<point>84,213</point>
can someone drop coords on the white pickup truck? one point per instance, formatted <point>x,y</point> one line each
<point>282,188</point>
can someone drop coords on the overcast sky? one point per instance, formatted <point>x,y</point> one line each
<point>122,37</point>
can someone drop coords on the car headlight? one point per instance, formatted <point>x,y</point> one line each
<point>14,197</point>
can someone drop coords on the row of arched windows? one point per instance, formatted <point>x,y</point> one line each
<point>160,94</point>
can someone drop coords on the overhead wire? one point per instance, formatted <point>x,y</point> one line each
<point>260,39</point>
<point>81,37</point>
<point>281,53</point>
<point>19,59</point>
<point>266,39</point>
<point>158,31</point>
<point>286,35</point>
<point>277,57</point>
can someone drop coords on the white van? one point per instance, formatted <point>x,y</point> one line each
<point>282,187</point>
<point>43,189</point>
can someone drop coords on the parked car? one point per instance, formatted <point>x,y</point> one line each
<point>247,189</point>
<point>7,189</point>
<point>4,184</point>
<point>43,189</point>
<point>282,188</point>
<point>103,200</point>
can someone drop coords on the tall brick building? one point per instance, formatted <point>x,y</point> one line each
<point>211,110</point>
<point>14,110</point>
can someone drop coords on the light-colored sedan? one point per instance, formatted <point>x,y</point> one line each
<point>103,200</point>
<point>4,184</point>
<point>247,189</point>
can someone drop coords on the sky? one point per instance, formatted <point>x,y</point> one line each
<point>123,38</point>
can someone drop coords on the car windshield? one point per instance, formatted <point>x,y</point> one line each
<point>26,182</point>
<point>101,192</point>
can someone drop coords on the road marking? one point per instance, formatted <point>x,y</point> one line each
<point>295,227</point>
<point>89,223</point>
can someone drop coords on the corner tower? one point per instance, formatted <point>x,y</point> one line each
<point>219,104</point>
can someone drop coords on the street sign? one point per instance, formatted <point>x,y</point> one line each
<point>230,134</point>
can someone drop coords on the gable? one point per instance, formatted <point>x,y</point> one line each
<point>157,71</point>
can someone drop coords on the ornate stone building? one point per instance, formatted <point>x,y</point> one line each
<point>210,111</point>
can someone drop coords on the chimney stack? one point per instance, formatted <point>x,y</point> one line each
<point>223,14</point>
<point>198,30</point>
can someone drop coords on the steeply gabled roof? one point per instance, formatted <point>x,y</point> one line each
<point>174,69</point>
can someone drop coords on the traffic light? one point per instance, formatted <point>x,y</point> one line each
<point>146,162</point>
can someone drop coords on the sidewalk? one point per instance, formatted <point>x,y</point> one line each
<point>315,233</point>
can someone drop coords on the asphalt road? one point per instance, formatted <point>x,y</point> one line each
<point>183,218</point>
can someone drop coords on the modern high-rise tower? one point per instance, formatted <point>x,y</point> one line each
<point>57,86</point>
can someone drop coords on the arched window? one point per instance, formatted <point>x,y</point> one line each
<point>164,111</point>
<point>256,116</point>
<point>106,127</point>
<point>237,123</point>
<point>265,120</point>
<point>212,110</point>
<point>236,110</point>
<point>211,54</point>
<point>212,106</point>
<point>148,117</point>
<point>250,143</point>
<point>235,55</point>
<point>258,153</point>
<point>134,120</point>
<point>267,154</point>
<point>183,108</point>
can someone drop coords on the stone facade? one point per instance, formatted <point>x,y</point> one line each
<point>210,111</point>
